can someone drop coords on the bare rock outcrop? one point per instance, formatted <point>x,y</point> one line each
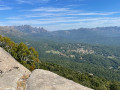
<point>11,72</point>
<point>46,80</point>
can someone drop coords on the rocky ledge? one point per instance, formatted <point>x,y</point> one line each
<point>46,80</point>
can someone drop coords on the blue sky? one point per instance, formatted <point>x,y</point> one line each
<point>60,14</point>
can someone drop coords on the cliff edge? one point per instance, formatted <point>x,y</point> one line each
<point>46,80</point>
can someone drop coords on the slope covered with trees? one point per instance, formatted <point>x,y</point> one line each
<point>103,61</point>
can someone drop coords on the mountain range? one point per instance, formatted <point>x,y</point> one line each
<point>98,35</point>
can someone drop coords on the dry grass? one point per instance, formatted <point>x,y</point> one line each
<point>21,84</point>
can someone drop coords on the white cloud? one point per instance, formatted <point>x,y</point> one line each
<point>43,15</point>
<point>5,8</point>
<point>23,1</point>
<point>13,18</point>
<point>99,22</point>
<point>32,1</point>
<point>94,13</point>
<point>68,11</point>
<point>62,18</point>
<point>61,24</point>
<point>2,5</point>
<point>50,9</point>
<point>66,14</point>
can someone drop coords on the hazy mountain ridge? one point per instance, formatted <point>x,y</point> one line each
<point>98,35</point>
<point>30,29</point>
<point>91,32</point>
<point>10,30</point>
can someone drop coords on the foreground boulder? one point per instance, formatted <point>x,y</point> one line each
<point>46,80</point>
<point>12,73</point>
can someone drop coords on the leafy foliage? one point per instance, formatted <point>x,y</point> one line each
<point>26,56</point>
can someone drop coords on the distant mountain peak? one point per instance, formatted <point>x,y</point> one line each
<point>30,29</point>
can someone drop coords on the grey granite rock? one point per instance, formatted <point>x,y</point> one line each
<point>11,71</point>
<point>8,63</point>
<point>46,80</point>
<point>8,80</point>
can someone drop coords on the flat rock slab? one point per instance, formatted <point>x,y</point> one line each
<point>46,80</point>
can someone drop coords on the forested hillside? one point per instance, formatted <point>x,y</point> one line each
<point>29,58</point>
<point>102,61</point>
